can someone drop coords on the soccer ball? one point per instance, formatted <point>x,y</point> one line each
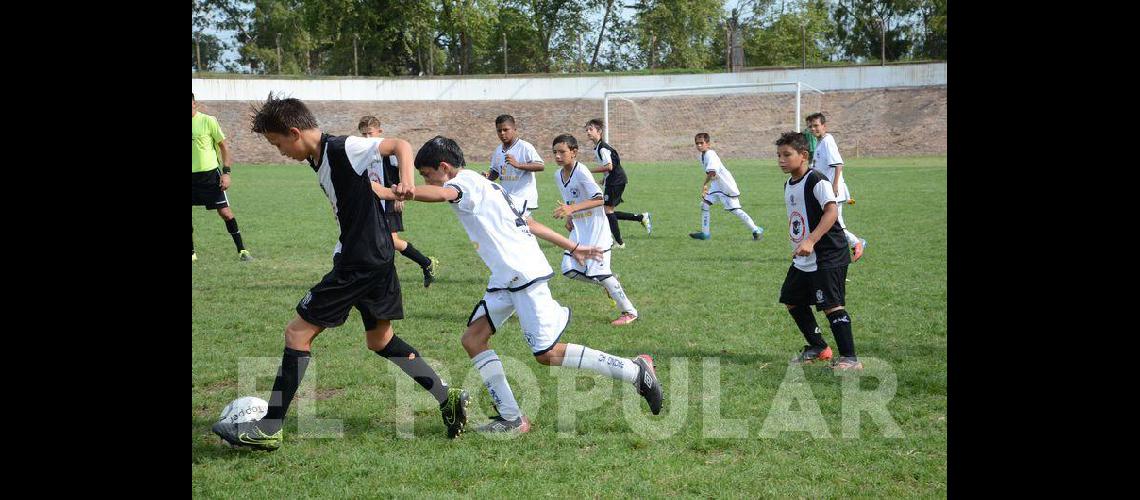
<point>244,409</point>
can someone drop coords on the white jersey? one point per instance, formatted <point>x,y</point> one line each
<point>496,224</point>
<point>590,226</point>
<point>723,183</point>
<point>825,160</point>
<point>518,182</point>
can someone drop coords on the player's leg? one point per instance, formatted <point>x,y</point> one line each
<point>856,243</point>
<point>732,205</point>
<point>227,215</point>
<point>797,295</point>
<point>494,309</point>
<point>611,200</point>
<point>831,292</point>
<point>541,314</point>
<point>705,220</point>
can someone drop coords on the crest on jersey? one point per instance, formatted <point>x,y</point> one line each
<point>796,227</point>
<point>574,193</point>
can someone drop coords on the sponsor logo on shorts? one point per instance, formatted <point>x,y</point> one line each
<point>819,296</point>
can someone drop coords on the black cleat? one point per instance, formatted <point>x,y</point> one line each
<point>647,384</point>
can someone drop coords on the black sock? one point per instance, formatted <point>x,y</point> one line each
<point>289,375</point>
<point>231,226</point>
<point>416,256</point>
<point>841,328</point>
<point>628,216</point>
<point>614,228</point>
<point>805,319</point>
<point>408,359</point>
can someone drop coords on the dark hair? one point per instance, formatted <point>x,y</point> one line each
<point>368,121</point>
<point>192,97</point>
<point>566,139</point>
<point>279,115</point>
<point>703,135</point>
<point>437,149</point>
<point>822,119</point>
<point>597,123</point>
<point>794,139</point>
<point>504,118</point>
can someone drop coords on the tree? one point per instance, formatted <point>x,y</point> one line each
<point>776,37</point>
<point>676,33</point>
<point>860,26</point>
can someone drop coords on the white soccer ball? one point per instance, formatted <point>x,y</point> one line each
<point>244,409</point>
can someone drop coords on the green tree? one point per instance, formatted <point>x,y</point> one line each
<point>676,33</point>
<point>777,37</point>
<point>860,27</point>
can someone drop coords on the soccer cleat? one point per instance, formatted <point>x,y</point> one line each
<point>454,411</point>
<point>700,236</point>
<point>647,384</point>
<point>244,256</point>
<point>758,234</point>
<point>247,434</point>
<point>811,354</point>
<point>624,319</point>
<point>430,270</point>
<point>647,222</point>
<point>619,246</point>
<point>858,250</point>
<point>519,425</point>
<point>194,257</point>
<point>847,363</point>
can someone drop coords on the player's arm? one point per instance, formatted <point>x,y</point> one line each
<point>566,210</point>
<point>406,188</point>
<point>382,192</point>
<point>579,252</point>
<point>531,167</point>
<point>224,149</point>
<point>434,194</point>
<point>830,214</point>
<point>602,169</point>
<point>835,181</point>
<point>491,174</point>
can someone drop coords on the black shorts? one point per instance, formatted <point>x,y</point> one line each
<point>206,190</point>
<point>395,221</point>
<point>613,194</point>
<point>374,292</point>
<point>826,288</point>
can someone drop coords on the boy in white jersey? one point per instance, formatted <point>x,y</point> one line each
<point>719,186</point>
<point>513,164</point>
<point>827,161</point>
<point>587,224</point>
<point>504,238</point>
<point>819,257</point>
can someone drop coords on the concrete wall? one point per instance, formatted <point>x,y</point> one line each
<point>872,111</point>
<point>531,88</point>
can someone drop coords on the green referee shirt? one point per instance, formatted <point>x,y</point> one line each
<point>207,133</point>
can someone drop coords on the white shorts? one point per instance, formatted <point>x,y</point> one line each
<point>542,318</point>
<point>594,269</point>
<point>729,202</point>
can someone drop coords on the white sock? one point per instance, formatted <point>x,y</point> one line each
<point>618,294</point>
<point>580,356</point>
<point>747,220</point>
<point>491,369</point>
<point>704,217</point>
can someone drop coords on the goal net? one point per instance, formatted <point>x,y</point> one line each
<point>743,120</point>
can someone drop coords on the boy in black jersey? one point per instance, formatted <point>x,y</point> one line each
<point>363,276</point>
<point>819,257</point>
<point>613,184</point>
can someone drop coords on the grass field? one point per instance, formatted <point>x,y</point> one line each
<point>702,303</point>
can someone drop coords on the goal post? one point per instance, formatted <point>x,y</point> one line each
<point>744,119</point>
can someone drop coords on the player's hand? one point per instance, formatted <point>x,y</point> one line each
<point>486,174</point>
<point>225,184</point>
<point>398,206</point>
<point>835,188</point>
<point>511,160</point>
<point>562,210</point>
<point>805,248</point>
<point>404,191</point>
<point>583,252</point>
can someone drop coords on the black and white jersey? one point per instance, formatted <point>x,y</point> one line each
<point>343,174</point>
<point>604,153</point>
<point>806,199</point>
